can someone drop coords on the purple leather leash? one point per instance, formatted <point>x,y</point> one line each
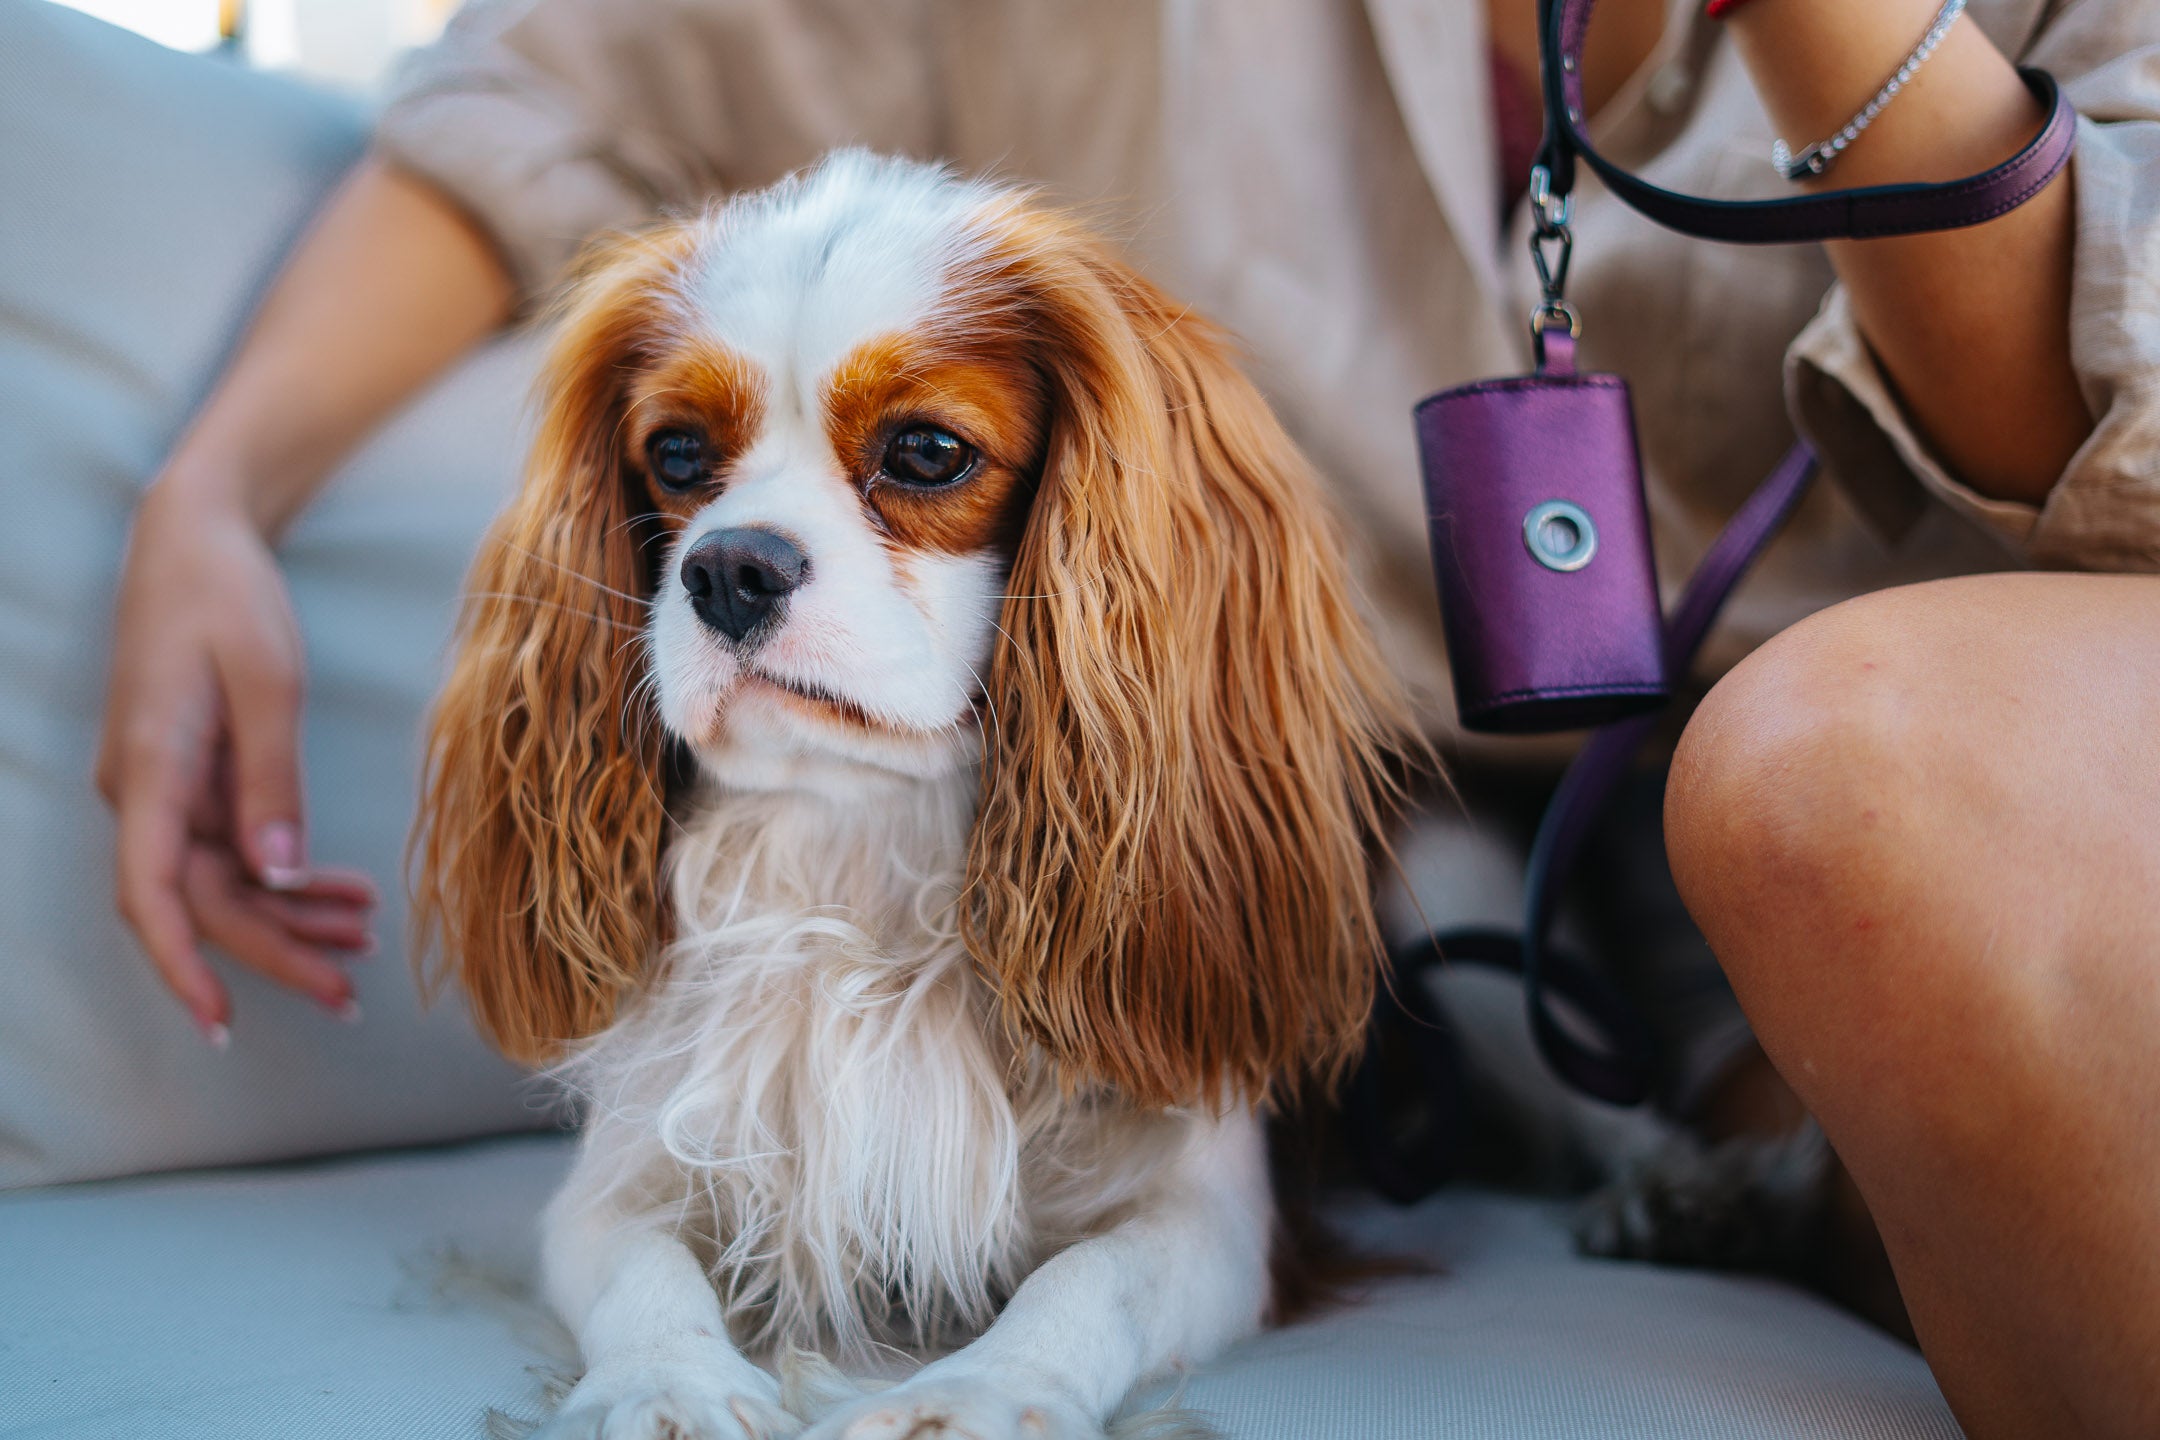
<point>1541,551</point>
<point>1616,1067</point>
<point>1618,1070</point>
<point>1859,214</point>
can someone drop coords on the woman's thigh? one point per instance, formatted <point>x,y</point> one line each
<point>1922,832</point>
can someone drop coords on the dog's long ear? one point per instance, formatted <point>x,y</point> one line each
<point>536,876</point>
<point>1189,764</point>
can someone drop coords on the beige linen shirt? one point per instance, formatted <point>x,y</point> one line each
<point>1320,175</point>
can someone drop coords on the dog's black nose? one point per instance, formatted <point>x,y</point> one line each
<point>737,578</point>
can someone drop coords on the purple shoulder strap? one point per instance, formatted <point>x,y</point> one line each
<point>1617,1067</point>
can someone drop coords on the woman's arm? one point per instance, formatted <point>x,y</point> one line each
<point>390,287</point>
<point>200,751</point>
<point>1971,326</point>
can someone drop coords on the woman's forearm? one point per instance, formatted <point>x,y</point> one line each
<point>388,288</point>
<point>1972,326</point>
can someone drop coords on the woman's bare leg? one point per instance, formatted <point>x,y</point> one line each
<point>1922,832</point>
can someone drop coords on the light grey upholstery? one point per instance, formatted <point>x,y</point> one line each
<point>145,198</point>
<point>371,1298</point>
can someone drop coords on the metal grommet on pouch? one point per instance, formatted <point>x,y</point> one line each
<point>1561,535</point>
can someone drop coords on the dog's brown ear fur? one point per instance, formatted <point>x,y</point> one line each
<point>1190,769</point>
<point>536,880</point>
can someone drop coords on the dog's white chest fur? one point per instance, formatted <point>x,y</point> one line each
<point>815,1090</point>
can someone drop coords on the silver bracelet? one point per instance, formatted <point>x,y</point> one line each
<point>1817,158</point>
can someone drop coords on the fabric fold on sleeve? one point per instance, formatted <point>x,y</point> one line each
<point>2104,511</point>
<point>555,121</point>
<point>526,151</point>
<point>540,201</point>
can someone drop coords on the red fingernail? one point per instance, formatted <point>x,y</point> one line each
<point>279,856</point>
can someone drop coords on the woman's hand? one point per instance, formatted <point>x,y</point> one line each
<point>201,750</point>
<point>200,759</point>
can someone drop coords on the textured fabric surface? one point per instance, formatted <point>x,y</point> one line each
<point>148,196</point>
<point>376,1297</point>
<point>310,1302</point>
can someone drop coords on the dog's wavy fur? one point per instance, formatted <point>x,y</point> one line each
<point>538,859</point>
<point>1169,877</point>
<point>875,1059</point>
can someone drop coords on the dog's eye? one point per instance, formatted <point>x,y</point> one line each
<point>926,455</point>
<point>677,458</point>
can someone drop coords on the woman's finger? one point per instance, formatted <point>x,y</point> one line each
<point>262,702</point>
<point>339,884</point>
<point>216,897</point>
<point>332,924</point>
<point>149,789</point>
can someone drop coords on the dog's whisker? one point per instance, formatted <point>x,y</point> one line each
<point>997,730</point>
<point>534,600</point>
<point>579,575</point>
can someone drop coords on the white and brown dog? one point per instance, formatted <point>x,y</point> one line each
<point>1036,755</point>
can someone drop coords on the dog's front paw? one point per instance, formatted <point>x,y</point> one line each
<point>671,1401</point>
<point>958,1407</point>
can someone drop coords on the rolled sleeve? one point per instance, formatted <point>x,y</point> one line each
<point>534,155</point>
<point>2104,511</point>
<point>540,200</point>
<point>552,121</point>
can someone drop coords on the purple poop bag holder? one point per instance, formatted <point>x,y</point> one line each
<point>1541,544</point>
<point>1540,538</point>
<point>1549,596</point>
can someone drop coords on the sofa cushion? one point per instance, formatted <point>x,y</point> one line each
<point>149,196</point>
<point>380,1297</point>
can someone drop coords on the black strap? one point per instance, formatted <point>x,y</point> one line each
<point>1405,1109</point>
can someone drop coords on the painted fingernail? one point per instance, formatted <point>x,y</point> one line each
<point>214,1034</point>
<point>279,855</point>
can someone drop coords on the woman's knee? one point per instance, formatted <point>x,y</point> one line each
<point>1815,818</point>
<point>1791,767</point>
<point>1895,824</point>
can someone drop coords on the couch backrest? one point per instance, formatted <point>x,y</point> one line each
<point>146,198</point>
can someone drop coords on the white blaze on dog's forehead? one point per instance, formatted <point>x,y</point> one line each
<point>788,481</point>
<point>793,281</point>
<point>796,277</point>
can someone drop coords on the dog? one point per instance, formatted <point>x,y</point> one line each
<point>912,760</point>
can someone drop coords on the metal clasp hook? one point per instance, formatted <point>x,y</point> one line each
<point>1553,211</point>
<point>1552,274</point>
<point>1550,214</point>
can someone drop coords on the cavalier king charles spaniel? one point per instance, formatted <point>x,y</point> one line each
<point>912,760</point>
